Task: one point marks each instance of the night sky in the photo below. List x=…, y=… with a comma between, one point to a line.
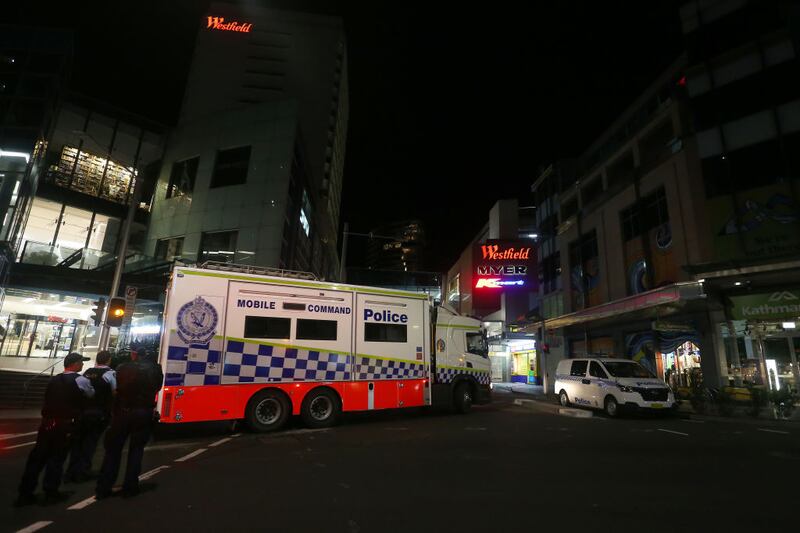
x=451, y=107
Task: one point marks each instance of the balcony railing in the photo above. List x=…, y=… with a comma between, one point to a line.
x=39, y=253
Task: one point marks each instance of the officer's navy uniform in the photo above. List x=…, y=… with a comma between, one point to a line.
x=63, y=402
x=94, y=420
x=138, y=382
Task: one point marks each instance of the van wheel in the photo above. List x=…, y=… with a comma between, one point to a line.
x=563, y=399
x=321, y=408
x=462, y=398
x=611, y=406
x=266, y=411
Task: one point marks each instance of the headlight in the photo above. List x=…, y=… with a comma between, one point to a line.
x=625, y=388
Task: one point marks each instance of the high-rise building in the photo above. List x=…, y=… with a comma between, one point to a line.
x=253, y=171
x=398, y=246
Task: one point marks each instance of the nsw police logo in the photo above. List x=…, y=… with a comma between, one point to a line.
x=197, y=322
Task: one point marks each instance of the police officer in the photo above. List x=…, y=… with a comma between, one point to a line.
x=63, y=401
x=94, y=419
x=138, y=382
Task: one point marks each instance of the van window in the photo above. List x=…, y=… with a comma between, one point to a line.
x=595, y=370
x=266, y=327
x=625, y=369
x=385, y=332
x=316, y=330
x=578, y=368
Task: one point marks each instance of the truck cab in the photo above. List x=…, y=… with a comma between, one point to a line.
x=460, y=364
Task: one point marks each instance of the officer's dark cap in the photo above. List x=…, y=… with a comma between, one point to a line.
x=73, y=358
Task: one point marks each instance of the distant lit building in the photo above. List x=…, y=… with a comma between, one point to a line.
x=398, y=246
x=253, y=171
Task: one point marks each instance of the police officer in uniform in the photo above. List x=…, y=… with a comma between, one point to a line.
x=94, y=419
x=133, y=415
x=63, y=402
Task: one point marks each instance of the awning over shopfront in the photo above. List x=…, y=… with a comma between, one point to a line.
x=668, y=297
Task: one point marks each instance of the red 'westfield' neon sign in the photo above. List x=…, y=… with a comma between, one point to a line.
x=218, y=23
x=494, y=252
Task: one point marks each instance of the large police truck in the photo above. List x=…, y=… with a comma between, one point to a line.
x=261, y=345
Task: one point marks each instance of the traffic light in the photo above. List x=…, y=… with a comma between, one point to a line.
x=116, y=312
x=97, y=311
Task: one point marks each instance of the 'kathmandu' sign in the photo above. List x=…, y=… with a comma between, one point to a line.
x=770, y=306
x=218, y=23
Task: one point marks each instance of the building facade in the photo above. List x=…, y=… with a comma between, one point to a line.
x=673, y=239
x=399, y=246
x=253, y=171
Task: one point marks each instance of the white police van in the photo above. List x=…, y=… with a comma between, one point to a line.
x=611, y=385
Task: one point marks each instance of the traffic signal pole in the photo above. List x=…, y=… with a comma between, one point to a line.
x=123, y=251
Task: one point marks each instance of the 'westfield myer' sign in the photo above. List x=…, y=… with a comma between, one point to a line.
x=218, y=23
x=501, y=266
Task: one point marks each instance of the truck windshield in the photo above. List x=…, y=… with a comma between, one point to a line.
x=623, y=369
x=476, y=344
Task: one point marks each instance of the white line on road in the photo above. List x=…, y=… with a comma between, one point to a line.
x=693, y=421
x=236, y=435
x=774, y=431
x=17, y=435
x=221, y=441
x=187, y=457
x=20, y=445
x=673, y=432
x=36, y=526
x=153, y=472
x=82, y=504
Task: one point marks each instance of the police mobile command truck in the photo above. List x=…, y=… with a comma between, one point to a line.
x=611, y=384
x=241, y=345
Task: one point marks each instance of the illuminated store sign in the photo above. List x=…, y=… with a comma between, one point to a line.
x=502, y=266
x=218, y=23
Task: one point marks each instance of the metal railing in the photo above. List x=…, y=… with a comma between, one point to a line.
x=28, y=382
x=264, y=271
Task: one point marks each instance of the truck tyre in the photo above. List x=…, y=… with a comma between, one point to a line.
x=321, y=408
x=611, y=406
x=462, y=398
x=267, y=411
x=563, y=399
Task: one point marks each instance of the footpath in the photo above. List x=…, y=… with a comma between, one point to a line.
x=536, y=398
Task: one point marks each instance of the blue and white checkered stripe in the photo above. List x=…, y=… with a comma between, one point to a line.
x=195, y=364
x=247, y=362
x=373, y=368
x=447, y=374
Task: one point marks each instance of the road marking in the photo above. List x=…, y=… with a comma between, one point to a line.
x=475, y=429
x=673, y=432
x=236, y=435
x=153, y=472
x=17, y=435
x=82, y=504
x=774, y=431
x=193, y=454
x=303, y=431
x=36, y=526
x=169, y=446
x=693, y=421
x=221, y=441
x=20, y=445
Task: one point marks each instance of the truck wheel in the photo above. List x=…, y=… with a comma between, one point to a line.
x=266, y=411
x=563, y=399
x=611, y=406
x=321, y=408
x=462, y=398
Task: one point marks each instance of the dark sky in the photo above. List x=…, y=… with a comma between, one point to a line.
x=451, y=107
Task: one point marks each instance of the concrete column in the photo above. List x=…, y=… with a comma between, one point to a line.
x=712, y=350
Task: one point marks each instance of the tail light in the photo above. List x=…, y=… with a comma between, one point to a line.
x=167, y=406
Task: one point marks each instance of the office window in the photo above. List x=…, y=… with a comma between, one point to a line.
x=230, y=167
x=385, y=332
x=266, y=327
x=316, y=330
x=305, y=214
x=169, y=249
x=592, y=190
x=217, y=246
x=181, y=179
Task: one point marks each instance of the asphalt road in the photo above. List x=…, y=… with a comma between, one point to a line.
x=500, y=468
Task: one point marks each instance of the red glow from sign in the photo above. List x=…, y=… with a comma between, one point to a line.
x=218, y=23
x=682, y=81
